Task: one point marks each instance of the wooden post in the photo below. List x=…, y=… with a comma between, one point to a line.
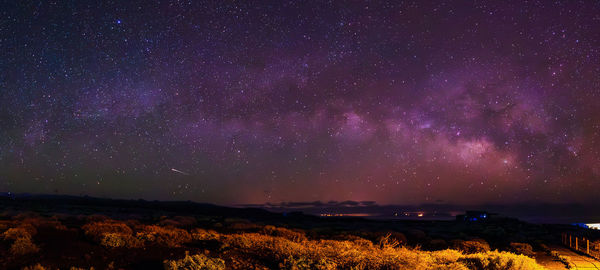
x=588, y=246
x=576, y=243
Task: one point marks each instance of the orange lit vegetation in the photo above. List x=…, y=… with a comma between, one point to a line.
x=363, y=254
x=114, y=234
x=281, y=248
x=21, y=238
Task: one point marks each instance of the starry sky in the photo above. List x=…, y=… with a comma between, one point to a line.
x=230, y=102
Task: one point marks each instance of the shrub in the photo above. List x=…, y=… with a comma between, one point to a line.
x=349, y=255
x=471, y=246
x=392, y=235
x=31, y=223
x=178, y=221
x=97, y=230
x=114, y=240
x=243, y=226
x=199, y=234
x=285, y=233
x=23, y=246
x=499, y=260
x=34, y=267
x=388, y=241
x=96, y=218
x=15, y=233
x=164, y=236
x=522, y=248
x=195, y=262
x=292, y=263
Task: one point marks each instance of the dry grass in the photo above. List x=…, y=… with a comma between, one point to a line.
x=332, y=254
x=282, y=248
x=292, y=235
x=114, y=234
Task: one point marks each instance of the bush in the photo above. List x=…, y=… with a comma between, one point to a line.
x=114, y=240
x=285, y=233
x=471, y=246
x=178, y=221
x=34, y=267
x=391, y=235
x=195, y=262
x=522, y=248
x=31, y=223
x=23, y=246
x=164, y=236
x=388, y=241
x=350, y=255
x=204, y=235
x=499, y=260
x=97, y=230
x=15, y=233
x=306, y=264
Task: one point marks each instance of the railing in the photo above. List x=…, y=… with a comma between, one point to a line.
x=582, y=244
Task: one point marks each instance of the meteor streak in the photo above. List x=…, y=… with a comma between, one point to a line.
x=178, y=171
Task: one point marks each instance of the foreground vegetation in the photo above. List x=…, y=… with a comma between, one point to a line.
x=180, y=244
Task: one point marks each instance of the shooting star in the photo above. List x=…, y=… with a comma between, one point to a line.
x=178, y=171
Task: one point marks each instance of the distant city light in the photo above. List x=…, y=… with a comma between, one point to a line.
x=595, y=226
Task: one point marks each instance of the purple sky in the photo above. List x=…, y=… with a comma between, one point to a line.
x=233, y=102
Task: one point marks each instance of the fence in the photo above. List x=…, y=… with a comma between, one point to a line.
x=582, y=244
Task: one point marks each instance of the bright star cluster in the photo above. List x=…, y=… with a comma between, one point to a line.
x=248, y=102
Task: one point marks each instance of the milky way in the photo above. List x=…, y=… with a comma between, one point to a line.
x=238, y=102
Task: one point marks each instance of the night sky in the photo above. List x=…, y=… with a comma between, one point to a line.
x=237, y=102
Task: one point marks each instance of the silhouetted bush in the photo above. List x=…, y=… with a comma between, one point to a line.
x=471, y=246
x=522, y=248
x=178, y=221
x=295, y=236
